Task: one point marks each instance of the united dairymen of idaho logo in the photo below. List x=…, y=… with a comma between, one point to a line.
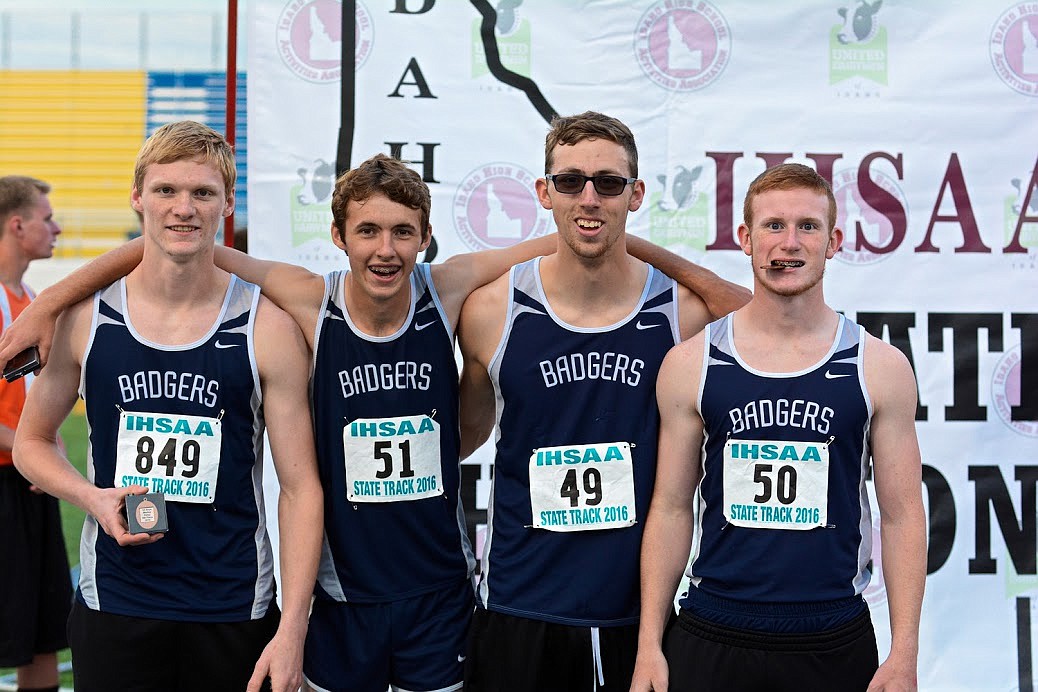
x=1014, y=48
x=858, y=50
x=495, y=206
x=310, y=214
x=309, y=38
x=682, y=45
x=679, y=214
x=1012, y=209
x=1005, y=393
x=857, y=218
x=512, y=34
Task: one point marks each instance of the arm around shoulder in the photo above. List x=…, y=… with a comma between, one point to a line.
x=693, y=313
x=719, y=295
x=294, y=289
x=462, y=274
x=36, y=323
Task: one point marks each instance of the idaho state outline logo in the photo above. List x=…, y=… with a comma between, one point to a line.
x=309, y=38
x=682, y=45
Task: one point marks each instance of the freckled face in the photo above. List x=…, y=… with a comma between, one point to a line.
x=789, y=242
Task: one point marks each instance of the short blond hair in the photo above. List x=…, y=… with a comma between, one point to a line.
x=187, y=140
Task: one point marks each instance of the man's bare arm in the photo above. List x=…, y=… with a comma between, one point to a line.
x=898, y=476
x=667, y=540
x=720, y=296
x=482, y=321
x=462, y=274
x=38, y=452
x=294, y=289
x=35, y=325
x=283, y=362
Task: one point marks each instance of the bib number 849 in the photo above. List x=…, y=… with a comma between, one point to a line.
x=189, y=456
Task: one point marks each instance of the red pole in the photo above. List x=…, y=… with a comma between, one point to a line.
x=232, y=98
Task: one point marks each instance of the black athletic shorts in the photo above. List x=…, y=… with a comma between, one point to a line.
x=704, y=657
x=514, y=654
x=130, y=654
x=35, y=589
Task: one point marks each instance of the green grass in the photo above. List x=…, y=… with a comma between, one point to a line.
x=73, y=431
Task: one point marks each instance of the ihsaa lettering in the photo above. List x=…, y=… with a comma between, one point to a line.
x=388, y=428
x=404, y=374
x=572, y=455
x=153, y=384
x=772, y=452
x=574, y=367
x=163, y=424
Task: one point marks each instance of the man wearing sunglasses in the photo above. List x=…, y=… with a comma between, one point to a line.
x=561, y=355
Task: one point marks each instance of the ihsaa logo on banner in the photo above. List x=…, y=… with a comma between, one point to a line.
x=1006, y=393
x=309, y=37
x=679, y=212
x=495, y=206
x=682, y=45
x=868, y=235
x=512, y=36
x=858, y=50
x=1014, y=48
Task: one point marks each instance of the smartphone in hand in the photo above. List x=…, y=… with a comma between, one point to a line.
x=22, y=364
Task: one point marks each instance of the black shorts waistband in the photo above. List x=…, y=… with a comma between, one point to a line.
x=771, y=641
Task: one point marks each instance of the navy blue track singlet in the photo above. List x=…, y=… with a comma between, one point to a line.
x=393, y=527
x=563, y=386
x=215, y=564
x=824, y=404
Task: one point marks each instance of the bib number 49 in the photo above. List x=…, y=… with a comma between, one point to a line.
x=591, y=484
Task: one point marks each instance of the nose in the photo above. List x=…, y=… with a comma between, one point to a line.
x=791, y=238
x=385, y=248
x=588, y=194
x=183, y=205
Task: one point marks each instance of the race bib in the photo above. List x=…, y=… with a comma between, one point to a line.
x=582, y=487
x=172, y=454
x=392, y=459
x=770, y=484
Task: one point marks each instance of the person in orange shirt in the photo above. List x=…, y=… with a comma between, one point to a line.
x=35, y=588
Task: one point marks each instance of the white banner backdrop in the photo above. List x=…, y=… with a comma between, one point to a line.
x=924, y=115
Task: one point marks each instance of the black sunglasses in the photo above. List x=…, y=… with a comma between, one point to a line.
x=573, y=183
